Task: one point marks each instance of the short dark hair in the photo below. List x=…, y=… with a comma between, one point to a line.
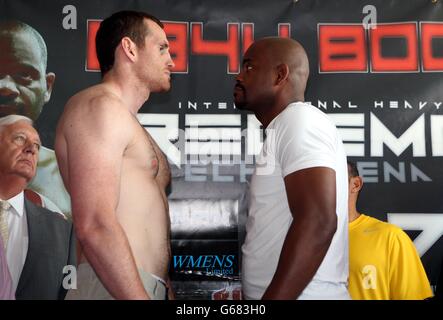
x=353, y=171
x=114, y=28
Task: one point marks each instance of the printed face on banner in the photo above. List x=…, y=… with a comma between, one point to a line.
x=155, y=62
x=20, y=145
x=24, y=86
x=253, y=83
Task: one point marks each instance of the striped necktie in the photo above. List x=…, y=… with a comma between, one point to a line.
x=4, y=232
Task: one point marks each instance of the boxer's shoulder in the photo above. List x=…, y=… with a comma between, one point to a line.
x=96, y=108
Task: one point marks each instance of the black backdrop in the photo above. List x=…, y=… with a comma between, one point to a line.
x=398, y=146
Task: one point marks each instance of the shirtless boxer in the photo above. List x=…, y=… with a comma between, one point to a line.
x=113, y=169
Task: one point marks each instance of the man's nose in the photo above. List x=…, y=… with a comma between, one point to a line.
x=171, y=63
x=239, y=77
x=8, y=88
x=31, y=148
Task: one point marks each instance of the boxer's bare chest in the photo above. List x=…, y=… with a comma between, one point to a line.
x=144, y=152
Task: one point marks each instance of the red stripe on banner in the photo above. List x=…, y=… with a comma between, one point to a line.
x=177, y=33
x=248, y=35
x=229, y=48
x=284, y=30
x=430, y=32
x=407, y=31
x=342, y=48
x=91, y=56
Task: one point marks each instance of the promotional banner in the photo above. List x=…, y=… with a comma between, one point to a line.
x=375, y=69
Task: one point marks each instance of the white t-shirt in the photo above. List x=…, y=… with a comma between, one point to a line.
x=18, y=242
x=300, y=137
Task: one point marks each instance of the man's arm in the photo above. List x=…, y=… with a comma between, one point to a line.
x=96, y=142
x=312, y=201
x=171, y=293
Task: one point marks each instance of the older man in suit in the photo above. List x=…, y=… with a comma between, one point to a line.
x=39, y=243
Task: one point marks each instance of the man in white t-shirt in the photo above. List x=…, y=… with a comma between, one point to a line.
x=296, y=244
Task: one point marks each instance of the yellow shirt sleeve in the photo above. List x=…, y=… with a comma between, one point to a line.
x=408, y=280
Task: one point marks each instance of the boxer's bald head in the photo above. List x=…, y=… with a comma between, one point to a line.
x=275, y=72
x=286, y=51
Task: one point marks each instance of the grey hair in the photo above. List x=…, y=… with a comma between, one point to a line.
x=13, y=118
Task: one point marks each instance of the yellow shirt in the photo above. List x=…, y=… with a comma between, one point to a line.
x=384, y=263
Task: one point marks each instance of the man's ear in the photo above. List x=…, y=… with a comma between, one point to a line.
x=282, y=73
x=129, y=48
x=356, y=184
x=50, y=79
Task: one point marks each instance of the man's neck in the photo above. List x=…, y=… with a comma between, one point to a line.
x=266, y=118
x=353, y=214
x=128, y=90
x=270, y=114
x=9, y=188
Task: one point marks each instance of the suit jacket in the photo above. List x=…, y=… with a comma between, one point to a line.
x=51, y=247
x=439, y=289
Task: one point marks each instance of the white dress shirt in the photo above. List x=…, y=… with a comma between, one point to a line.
x=18, y=240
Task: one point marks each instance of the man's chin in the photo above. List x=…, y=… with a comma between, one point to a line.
x=26, y=172
x=240, y=105
x=165, y=88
